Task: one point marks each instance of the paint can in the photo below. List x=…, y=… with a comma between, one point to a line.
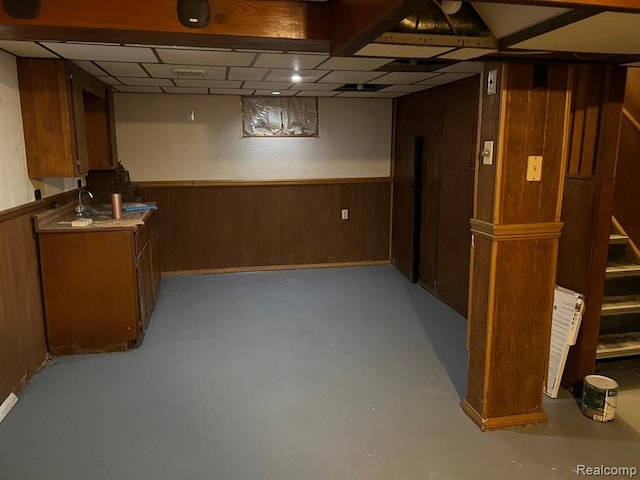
x=599, y=398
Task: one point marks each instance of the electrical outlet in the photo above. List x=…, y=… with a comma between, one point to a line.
x=345, y=214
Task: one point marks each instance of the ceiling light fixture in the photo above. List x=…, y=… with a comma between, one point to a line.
x=194, y=13
x=276, y=92
x=450, y=7
x=22, y=8
x=296, y=78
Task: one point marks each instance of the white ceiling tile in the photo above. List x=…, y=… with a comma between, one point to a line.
x=247, y=73
x=181, y=47
x=316, y=93
x=186, y=90
x=462, y=67
x=123, y=69
x=137, y=89
x=89, y=67
x=362, y=94
x=163, y=70
x=606, y=33
x=188, y=82
x=446, y=78
x=504, y=19
x=267, y=85
x=467, y=53
x=405, y=78
x=392, y=50
x=26, y=49
x=152, y=82
x=318, y=86
x=300, y=62
x=404, y=88
x=354, y=63
x=109, y=80
x=84, y=51
x=284, y=75
x=344, y=76
x=283, y=93
x=230, y=91
x=200, y=57
x=257, y=51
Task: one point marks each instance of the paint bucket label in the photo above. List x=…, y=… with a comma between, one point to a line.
x=599, y=398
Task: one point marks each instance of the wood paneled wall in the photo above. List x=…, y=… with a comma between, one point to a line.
x=627, y=197
x=22, y=328
x=262, y=224
x=596, y=108
x=447, y=119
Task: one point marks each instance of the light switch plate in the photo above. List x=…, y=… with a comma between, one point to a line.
x=345, y=214
x=492, y=82
x=487, y=153
x=534, y=169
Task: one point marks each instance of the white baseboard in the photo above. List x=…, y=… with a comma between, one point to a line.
x=7, y=405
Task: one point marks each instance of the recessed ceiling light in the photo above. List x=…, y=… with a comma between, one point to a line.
x=275, y=92
x=295, y=78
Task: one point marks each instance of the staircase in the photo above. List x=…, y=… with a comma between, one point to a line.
x=620, y=317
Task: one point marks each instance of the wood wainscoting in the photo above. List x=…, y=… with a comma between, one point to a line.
x=212, y=226
x=23, y=347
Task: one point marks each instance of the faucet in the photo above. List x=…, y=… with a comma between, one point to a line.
x=80, y=208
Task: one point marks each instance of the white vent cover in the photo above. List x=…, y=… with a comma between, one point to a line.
x=188, y=73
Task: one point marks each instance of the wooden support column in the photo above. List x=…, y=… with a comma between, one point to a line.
x=515, y=233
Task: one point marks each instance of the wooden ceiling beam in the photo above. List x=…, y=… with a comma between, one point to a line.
x=272, y=25
x=616, y=5
x=355, y=23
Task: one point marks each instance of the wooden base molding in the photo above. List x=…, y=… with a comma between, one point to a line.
x=525, y=231
x=497, y=423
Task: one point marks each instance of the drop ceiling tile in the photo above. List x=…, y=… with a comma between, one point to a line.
x=392, y=50
x=89, y=67
x=300, y=62
x=316, y=93
x=186, y=90
x=250, y=50
x=354, y=63
x=267, y=85
x=446, y=78
x=122, y=69
x=109, y=80
x=230, y=91
x=200, y=57
x=163, y=70
x=247, y=73
x=189, y=82
x=361, y=94
x=467, y=53
x=284, y=75
x=26, y=49
x=344, y=76
x=318, y=86
x=137, y=89
x=405, y=78
x=606, y=33
x=181, y=47
x=283, y=93
x=504, y=20
x=462, y=67
x=404, y=88
x=151, y=82
x=85, y=51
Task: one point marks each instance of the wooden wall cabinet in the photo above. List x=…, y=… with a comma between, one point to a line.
x=99, y=286
x=68, y=119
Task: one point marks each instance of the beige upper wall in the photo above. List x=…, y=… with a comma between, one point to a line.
x=15, y=187
x=157, y=142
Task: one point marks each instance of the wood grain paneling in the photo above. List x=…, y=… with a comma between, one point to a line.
x=236, y=226
x=446, y=117
x=22, y=330
x=98, y=132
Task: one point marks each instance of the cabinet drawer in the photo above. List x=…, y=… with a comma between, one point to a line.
x=143, y=234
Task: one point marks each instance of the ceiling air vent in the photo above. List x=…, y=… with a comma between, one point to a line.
x=188, y=73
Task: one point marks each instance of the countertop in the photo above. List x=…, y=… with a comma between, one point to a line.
x=59, y=219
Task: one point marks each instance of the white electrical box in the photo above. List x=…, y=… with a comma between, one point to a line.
x=534, y=169
x=492, y=82
x=487, y=153
x=345, y=214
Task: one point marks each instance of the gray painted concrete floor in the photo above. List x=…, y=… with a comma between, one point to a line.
x=309, y=374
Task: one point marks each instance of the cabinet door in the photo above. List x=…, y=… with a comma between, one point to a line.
x=144, y=265
x=79, y=125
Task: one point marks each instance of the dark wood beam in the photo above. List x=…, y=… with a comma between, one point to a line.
x=279, y=25
x=356, y=23
x=620, y=5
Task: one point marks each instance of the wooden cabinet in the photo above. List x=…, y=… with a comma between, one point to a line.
x=68, y=119
x=99, y=285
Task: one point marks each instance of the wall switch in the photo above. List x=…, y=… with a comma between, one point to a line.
x=492, y=82
x=345, y=214
x=534, y=169
x=191, y=115
x=487, y=153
